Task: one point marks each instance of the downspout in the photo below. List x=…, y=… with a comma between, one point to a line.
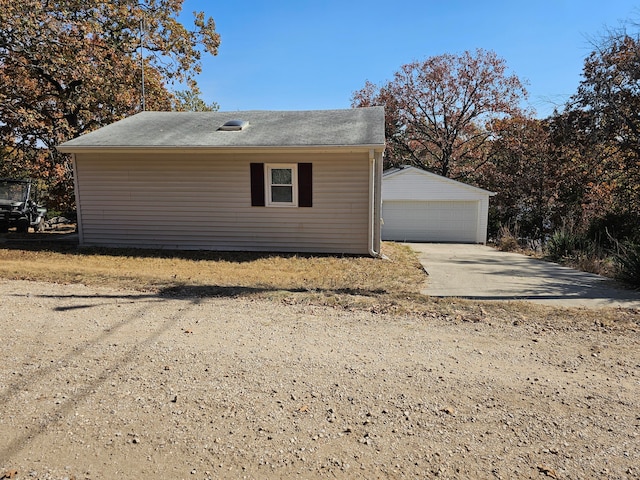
x=74, y=164
x=374, y=208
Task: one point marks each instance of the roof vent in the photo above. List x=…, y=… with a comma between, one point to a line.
x=233, y=125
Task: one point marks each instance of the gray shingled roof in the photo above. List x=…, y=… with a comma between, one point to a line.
x=352, y=127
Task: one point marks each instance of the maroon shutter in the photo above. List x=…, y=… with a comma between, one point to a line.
x=257, y=185
x=305, y=185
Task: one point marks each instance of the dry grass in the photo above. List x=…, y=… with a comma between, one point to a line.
x=507, y=240
x=347, y=282
x=157, y=270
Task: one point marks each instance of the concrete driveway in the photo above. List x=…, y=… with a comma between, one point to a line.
x=484, y=273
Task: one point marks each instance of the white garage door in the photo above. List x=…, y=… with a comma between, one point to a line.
x=431, y=221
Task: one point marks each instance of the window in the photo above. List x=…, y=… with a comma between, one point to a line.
x=281, y=185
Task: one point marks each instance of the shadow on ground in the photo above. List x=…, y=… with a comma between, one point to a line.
x=479, y=272
x=67, y=243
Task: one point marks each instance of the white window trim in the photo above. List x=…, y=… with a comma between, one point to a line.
x=294, y=180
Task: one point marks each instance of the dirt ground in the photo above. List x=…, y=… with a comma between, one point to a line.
x=104, y=384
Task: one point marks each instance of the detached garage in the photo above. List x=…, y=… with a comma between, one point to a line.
x=419, y=206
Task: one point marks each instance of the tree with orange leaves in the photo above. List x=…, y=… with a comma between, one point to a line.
x=603, y=118
x=440, y=112
x=70, y=66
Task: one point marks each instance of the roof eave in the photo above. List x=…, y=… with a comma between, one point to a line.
x=218, y=149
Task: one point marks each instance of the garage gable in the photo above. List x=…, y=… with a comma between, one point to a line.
x=410, y=183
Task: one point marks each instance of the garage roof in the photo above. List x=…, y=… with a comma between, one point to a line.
x=330, y=128
x=392, y=172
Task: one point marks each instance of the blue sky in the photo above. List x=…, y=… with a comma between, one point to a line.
x=304, y=55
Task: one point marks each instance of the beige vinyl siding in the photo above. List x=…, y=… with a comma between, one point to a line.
x=189, y=200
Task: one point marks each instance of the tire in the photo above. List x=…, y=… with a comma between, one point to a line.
x=22, y=225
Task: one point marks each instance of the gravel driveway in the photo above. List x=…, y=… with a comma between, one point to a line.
x=97, y=383
x=484, y=273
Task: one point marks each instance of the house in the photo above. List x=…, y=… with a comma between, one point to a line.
x=420, y=206
x=281, y=181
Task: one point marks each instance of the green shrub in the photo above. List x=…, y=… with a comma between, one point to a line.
x=627, y=260
x=565, y=244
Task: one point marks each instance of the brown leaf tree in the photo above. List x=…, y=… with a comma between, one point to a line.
x=440, y=112
x=532, y=177
x=602, y=121
x=70, y=66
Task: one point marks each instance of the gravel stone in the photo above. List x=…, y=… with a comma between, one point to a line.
x=97, y=383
